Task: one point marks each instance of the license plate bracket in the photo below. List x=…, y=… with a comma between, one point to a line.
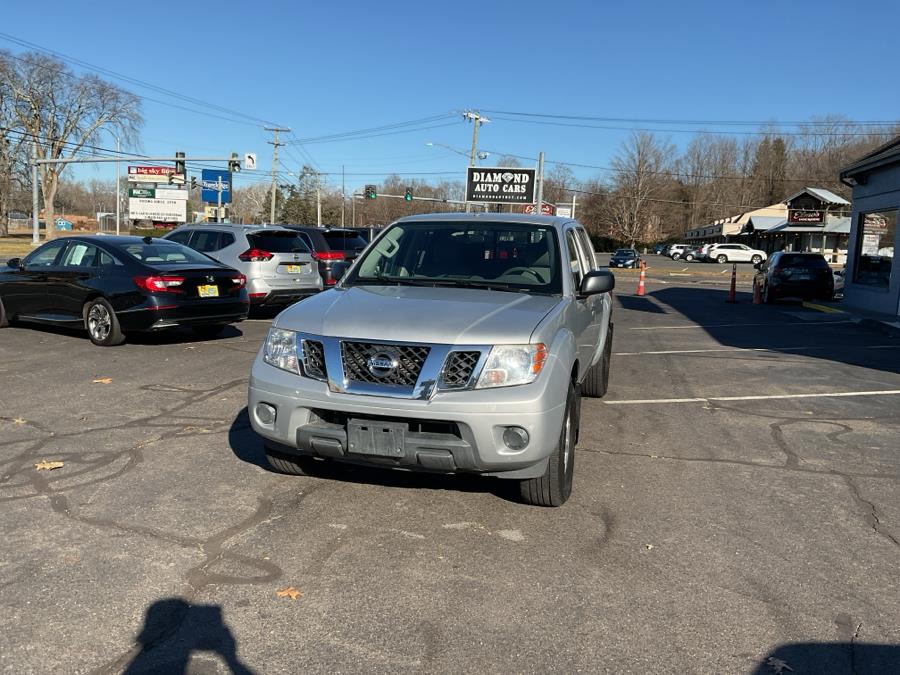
x=208, y=291
x=294, y=269
x=381, y=439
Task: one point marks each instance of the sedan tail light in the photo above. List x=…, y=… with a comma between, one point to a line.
x=328, y=255
x=159, y=284
x=240, y=280
x=255, y=255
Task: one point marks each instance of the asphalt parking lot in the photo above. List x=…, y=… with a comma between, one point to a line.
x=735, y=508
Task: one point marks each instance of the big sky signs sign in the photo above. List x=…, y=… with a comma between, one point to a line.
x=499, y=185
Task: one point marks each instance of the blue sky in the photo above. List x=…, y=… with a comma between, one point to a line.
x=329, y=67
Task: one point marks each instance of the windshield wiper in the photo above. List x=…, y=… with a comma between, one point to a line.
x=384, y=279
x=487, y=285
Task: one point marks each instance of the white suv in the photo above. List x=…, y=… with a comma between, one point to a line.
x=676, y=251
x=726, y=253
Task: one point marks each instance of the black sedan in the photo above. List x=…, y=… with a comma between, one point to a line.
x=625, y=257
x=795, y=275
x=115, y=285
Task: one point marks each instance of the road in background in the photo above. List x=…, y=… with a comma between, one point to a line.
x=734, y=501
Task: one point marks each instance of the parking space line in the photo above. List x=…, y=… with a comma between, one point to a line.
x=822, y=308
x=825, y=322
x=771, y=397
x=725, y=349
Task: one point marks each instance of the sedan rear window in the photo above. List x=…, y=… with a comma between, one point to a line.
x=808, y=261
x=277, y=242
x=165, y=253
x=344, y=241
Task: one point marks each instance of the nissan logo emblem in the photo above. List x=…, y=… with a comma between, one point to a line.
x=381, y=364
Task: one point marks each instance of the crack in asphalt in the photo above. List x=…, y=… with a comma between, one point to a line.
x=197, y=578
x=870, y=511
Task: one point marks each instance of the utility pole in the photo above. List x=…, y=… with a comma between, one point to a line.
x=343, y=195
x=318, y=200
x=274, y=143
x=35, y=233
x=574, y=195
x=477, y=120
x=540, y=185
x=219, y=199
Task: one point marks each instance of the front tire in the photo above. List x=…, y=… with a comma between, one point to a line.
x=768, y=297
x=596, y=380
x=689, y=257
x=4, y=320
x=756, y=259
x=294, y=465
x=721, y=259
x=555, y=486
x=101, y=323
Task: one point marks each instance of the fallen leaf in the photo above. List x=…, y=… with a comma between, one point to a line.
x=649, y=547
x=777, y=665
x=102, y=380
x=289, y=592
x=19, y=420
x=44, y=465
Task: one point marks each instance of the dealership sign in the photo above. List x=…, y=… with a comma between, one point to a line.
x=546, y=209
x=150, y=174
x=159, y=210
x=211, y=181
x=806, y=217
x=499, y=185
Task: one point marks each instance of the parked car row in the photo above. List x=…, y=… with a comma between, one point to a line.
x=205, y=276
x=718, y=253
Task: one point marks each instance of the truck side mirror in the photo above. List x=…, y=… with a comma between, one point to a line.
x=597, y=281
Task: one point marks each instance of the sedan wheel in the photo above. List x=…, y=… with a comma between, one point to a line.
x=102, y=324
x=756, y=259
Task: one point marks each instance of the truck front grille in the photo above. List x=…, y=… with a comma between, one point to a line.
x=314, y=359
x=458, y=369
x=409, y=360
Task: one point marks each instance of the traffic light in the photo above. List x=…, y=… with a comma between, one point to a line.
x=234, y=164
x=408, y=195
x=179, y=163
x=194, y=183
x=370, y=192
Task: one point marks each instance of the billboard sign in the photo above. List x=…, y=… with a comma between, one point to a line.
x=150, y=174
x=499, y=185
x=159, y=210
x=144, y=193
x=546, y=209
x=209, y=181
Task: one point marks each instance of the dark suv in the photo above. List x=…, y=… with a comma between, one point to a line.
x=330, y=245
x=796, y=275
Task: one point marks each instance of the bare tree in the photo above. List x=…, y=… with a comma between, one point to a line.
x=62, y=112
x=640, y=177
x=249, y=203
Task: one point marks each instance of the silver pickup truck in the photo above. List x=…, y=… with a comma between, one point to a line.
x=455, y=343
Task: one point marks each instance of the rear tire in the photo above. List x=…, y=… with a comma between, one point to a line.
x=555, y=486
x=299, y=465
x=722, y=259
x=4, y=320
x=101, y=323
x=756, y=259
x=208, y=332
x=689, y=257
x=596, y=381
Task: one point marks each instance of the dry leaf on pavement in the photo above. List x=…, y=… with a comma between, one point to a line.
x=44, y=465
x=19, y=420
x=289, y=592
x=102, y=380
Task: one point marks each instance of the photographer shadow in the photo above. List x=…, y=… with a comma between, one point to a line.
x=174, y=630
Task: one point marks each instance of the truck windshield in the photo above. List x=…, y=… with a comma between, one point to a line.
x=498, y=256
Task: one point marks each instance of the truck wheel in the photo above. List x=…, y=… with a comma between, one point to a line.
x=4, y=320
x=596, y=381
x=295, y=465
x=555, y=486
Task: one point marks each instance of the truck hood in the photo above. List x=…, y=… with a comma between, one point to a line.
x=418, y=314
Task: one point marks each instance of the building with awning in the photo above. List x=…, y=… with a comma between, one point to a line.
x=872, y=279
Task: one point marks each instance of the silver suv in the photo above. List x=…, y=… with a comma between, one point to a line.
x=279, y=267
x=454, y=343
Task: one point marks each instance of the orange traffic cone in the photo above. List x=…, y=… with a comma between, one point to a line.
x=640, y=288
x=757, y=293
x=732, y=292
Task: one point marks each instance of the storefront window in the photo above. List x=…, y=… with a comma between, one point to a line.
x=875, y=248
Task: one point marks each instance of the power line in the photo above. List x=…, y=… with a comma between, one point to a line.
x=385, y=133
x=638, y=120
x=131, y=80
x=369, y=130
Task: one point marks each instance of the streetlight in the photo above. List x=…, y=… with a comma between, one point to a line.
x=118, y=177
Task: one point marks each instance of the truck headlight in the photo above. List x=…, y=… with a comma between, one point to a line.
x=281, y=350
x=508, y=365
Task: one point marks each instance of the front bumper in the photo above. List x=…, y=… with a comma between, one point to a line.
x=453, y=431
